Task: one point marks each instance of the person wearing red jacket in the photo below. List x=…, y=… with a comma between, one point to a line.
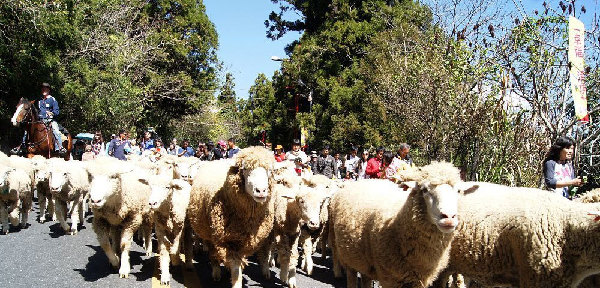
x=374, y=167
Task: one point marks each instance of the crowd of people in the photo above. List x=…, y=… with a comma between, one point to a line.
x=121, y=145
x=352, y=166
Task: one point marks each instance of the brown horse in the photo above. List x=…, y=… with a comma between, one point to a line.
x=40, y=139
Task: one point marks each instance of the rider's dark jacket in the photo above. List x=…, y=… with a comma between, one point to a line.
x=48, y=104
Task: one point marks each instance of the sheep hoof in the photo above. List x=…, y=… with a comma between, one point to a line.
x=309, y=270
x=123, y=276
x=149, y=253
x=292, y=283
x=73, y=232
x=165, y=283
x=42, y=219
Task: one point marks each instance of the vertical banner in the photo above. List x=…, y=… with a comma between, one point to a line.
x=303, y=136
x=577, y=69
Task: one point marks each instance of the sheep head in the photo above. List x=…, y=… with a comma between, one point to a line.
x=4, y=176
x=438, y=185
x=255, y=165
x=41, y=174
x=309, y=201
x=58, y=180
x=102, y=187
x=164, y=188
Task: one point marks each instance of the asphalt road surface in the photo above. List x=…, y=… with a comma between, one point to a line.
x=43, y=256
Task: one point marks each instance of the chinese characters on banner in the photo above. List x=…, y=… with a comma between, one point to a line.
x=577, y=70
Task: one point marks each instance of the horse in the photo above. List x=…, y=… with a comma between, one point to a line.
x=40, y=139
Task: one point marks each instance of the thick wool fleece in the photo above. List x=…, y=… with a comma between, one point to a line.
x=221, y=212
x=384, y=233
x=524, y=238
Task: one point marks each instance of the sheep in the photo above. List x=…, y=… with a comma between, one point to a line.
x=231, y=209
x=527, y=238
x=400, y=238
x=42, y=187
x=69, y=185
x=186, y=168
x=15, y=197
x=309, y=238
x=119, y=202
x=169, y=200
x=291, y=212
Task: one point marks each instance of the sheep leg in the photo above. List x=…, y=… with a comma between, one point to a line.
x=126, y=239
x=174, y=249
x=4, y=217
x=264, y=256
x=188, y=246
x=164, y=257
x=284, y=262
x=25, y=208
x=365, y=282
x=307, y=262
x=13, y=213
x=75, y=209
x=146, y=231
x=236, y=273
x=51, y=206
x=103, y=233
x=351, y=278
x=42, y=203
x=81, y=213
x=61, y=210
x=293, y=262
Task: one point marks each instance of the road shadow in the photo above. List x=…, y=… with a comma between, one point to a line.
x=98, y=266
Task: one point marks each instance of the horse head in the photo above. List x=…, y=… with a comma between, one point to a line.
x=23, y=110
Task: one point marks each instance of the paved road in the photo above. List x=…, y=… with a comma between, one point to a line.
x=42, y=256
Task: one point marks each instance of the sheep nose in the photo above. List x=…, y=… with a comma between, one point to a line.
x=447, y=216
x=152, y=204
x=260, y=191
x=95, y=201
x=313, y=224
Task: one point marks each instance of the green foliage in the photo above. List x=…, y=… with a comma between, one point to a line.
x=112, y=64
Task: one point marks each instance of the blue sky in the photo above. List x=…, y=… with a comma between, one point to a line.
x=246, y=51
x=243, y=46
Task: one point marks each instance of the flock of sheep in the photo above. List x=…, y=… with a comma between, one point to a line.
x=430, y=230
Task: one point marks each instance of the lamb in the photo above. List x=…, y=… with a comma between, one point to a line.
x=42, y=186
x=169, y=200
x=69, y=185
x=527, y=238
x=291, y=212
x=231, y=209
x=400, y=238
x=15, y=197
x=119, y=202
x=309, y=238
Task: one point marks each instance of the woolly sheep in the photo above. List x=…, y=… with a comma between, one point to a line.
x=400, y=238
x=42, y=186
x=292, y=210
x=526, y=238
x=310, y=238
x=69, y=185
x=15, y=197
x=231, y=208
x=169, y=200
x=119, y=202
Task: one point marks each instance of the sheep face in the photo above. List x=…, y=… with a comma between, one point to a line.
x=442, y=206
x=4, y=177
x=102, y=187
x=186, y=170
x=58, y=180
x=41, y=175
x=162, y=190
x=310, y=200
x=256, y=183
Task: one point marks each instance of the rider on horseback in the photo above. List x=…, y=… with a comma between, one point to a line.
x=48, y=109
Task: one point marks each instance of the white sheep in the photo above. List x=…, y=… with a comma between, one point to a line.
x=15, y=197
x=231, y=209
x=69, y=185
x=524, y=237
x=169, y=200
x=42, y=186
x=119, y=202
x=400, y=238
x=291, y=213
x=310, y=238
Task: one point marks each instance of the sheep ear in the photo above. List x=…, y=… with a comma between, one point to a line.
x=425, y=186
x=469, y=190
x=177, y=184
x=409, y=185
x=144, y=180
